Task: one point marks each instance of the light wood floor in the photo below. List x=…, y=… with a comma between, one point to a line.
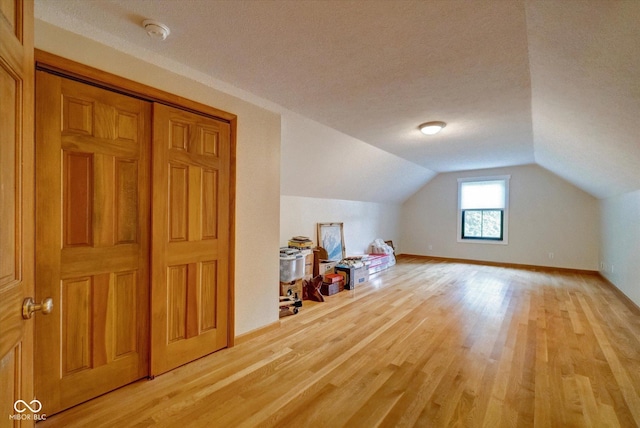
x=425, y=343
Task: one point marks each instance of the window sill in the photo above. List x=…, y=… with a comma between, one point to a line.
x=482, y=241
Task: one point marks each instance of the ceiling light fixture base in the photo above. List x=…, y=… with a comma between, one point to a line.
x=431, y=128
x=156, y=30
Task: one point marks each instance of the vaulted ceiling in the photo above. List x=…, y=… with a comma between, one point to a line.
x=553, y=82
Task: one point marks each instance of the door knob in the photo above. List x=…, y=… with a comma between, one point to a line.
x=29, y=307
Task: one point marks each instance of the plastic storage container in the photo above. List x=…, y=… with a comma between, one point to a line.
x=291, y=265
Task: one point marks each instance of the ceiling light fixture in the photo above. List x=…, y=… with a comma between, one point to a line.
x=156, y=30
x=431, y=128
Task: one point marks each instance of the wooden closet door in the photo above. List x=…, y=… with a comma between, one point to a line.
x=16, y=211
x=190, y=243
x=92, y=235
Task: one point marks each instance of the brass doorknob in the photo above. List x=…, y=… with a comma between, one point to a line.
x=29, y=307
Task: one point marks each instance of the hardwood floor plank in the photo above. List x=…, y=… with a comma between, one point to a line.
x=620, y=373
x=424, y=344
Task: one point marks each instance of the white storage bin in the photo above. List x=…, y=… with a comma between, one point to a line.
x=291, y=267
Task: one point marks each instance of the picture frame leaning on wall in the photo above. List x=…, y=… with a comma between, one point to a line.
x=331, y=238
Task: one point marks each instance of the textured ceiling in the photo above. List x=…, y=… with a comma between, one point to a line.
x=552, y=82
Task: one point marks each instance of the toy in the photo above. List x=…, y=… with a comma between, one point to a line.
x=290, y=302
x=311, y=289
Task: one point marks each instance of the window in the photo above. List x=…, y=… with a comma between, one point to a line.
x=482, y=209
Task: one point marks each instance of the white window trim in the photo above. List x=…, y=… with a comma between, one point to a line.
x=505, y=224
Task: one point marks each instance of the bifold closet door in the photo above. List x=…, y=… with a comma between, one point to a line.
x=190, y=237
x=92, y=240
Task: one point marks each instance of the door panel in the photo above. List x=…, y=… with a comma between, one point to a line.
x=16, y=209
x=190, y=251
x=92, y=215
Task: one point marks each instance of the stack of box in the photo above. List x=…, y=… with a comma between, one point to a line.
x=326, y=266
x=353, y=275
x=332, y=283
x=305, y=245
x=354, y=271
x=292, y=270
x=296, y=265
x=301, y=243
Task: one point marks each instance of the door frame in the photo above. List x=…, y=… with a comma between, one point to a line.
x=51, y=63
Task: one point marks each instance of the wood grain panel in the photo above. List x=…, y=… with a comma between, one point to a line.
x=125, y=308
x=99, y=338
x=195, y=204
x=205, y=207
x=176, y=302
x=198, y=251
x=178, y=203
x=178, y=135
x=9, y=11
x=127, y=126
x=8, y=195
x=104, y=121
x=186, y=158
x=209, y=295
x=78, y=199
x=77, y=260
x=10, y=372
x=100, y=332
x=209, y=141
x=126, y=177
x=104, y=200
x=16, y=206
x=119, y=149
x=77, y=116
x=210, y=203
x=11, y=320
x=193, y=285
x=76, y=327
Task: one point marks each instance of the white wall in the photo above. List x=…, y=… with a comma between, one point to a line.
x=546, y=214
x=620, y=242
x=258, y=166
x=320, y=162
x=363, y=221
x=326, y=176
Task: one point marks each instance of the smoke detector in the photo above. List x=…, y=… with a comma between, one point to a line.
x=156, y=30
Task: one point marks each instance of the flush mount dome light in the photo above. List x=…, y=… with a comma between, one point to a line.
x=431, y=128
x=156, y=30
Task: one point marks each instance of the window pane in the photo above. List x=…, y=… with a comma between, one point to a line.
x=482, y=194
x=491, y=224
x=472, y=224
x=482, y=224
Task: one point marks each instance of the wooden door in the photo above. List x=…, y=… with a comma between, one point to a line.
x=92, y=235
x=190, y=243
x=16, y=211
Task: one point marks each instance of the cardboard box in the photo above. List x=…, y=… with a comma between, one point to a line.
x=353, y=276
x=326, y=266
x=332, y=277
x=308, y=265
x=328, y=289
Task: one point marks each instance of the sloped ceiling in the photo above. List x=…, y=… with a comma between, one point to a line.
x=585, y=71
x=552, y=82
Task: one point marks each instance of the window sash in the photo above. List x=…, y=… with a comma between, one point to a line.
x=484, y=234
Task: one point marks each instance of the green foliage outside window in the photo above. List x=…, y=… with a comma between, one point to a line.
x=482, y=224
